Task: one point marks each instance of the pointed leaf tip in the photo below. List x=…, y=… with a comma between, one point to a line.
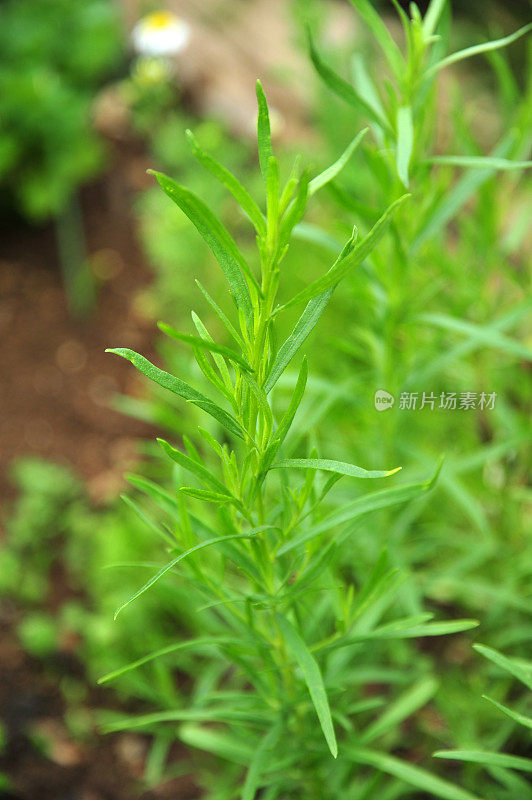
x=393, y=471
x=299, y=651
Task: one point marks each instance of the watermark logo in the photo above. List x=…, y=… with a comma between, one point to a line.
x=446, y=401
x=383, y=400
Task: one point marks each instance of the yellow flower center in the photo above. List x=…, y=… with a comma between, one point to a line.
x=160, y=19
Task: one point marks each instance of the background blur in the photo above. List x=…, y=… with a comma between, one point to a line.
x=91, y=255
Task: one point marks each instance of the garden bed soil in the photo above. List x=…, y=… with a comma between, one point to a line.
x=57, y=382
x=55, y=393
x=43, y=760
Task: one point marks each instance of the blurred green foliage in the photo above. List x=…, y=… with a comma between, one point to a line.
x=99, y=552
x=54, y=54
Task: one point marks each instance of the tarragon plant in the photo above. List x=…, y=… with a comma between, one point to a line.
x=445, y=304
x=510, y=771
x=401, y=110
x=282, y=641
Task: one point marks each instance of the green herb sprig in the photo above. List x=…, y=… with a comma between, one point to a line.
x=276, y=619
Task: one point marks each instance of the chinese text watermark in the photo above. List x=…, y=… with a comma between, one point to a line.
x=445, y=401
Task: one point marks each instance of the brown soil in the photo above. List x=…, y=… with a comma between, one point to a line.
x=42, y=758
x=56, y=380
x=55, y=389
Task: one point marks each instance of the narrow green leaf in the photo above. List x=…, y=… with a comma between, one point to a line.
x=340, y=467
x=449, y=205
x=379, y=30
x=331, y=172
x=295, y=400
x=380, y=580
x=517, y=785
x=488, y=759
x=260, y=395
x=415, y=627
x=210, y=373
x=161, y=497
x=304, y=326
x=218, y=359
x=432, y=17
x=132, y=564
x=477, y=50
x=264, y=137
x=307, y=232
x=259, y=762
x=194, y=467
x=221, y=316
x=365, y=86
x=402, y=708
x=203, y=714
x=239, y=192
x=220, y=744
x=147, y=520
x=180, y=388
x=359, y=507
x=439, y=628
x=499, y=325
x=190, y=644
x=485, y=334
x=204, y=344
x=479, y=162
x=191, y=449
x=286, y=420
x=231, y=551
x=290, y=187
x=405, y=21
x=410, y=774
x=521, y=719
x=211, y=441
x=344, y=89
x=354, y=257
x=311, y=672
x=316, y=569
x=208, y=496
x=176, y=561
x=519, y=671
x=296, y=209
x=216, y=237
x=272, y=192
x=405, y=142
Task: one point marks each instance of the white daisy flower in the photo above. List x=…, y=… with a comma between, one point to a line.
x=160, y=34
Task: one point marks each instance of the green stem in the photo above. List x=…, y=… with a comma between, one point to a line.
x=77, y=277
